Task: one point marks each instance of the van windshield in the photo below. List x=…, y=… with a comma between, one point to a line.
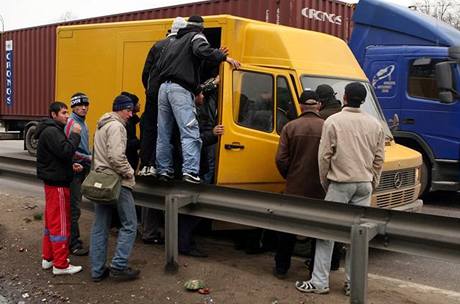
x=370, y=106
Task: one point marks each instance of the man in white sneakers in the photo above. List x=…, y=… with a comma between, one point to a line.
x=56, y=168
x=350, y=158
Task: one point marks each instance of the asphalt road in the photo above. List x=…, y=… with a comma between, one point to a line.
x=383, y=264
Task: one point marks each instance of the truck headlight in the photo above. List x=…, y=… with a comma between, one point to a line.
x=417, y=175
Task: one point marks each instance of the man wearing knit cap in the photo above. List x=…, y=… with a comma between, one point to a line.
x=79, y=103
x=151, y=82
x=180, y=78
x=297, y=162
x=109, y=157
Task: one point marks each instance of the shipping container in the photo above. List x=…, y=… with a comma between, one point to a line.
x=28, y=55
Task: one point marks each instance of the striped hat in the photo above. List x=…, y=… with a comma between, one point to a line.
x=79, y=99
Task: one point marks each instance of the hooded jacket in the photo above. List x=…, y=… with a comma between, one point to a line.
x=83, y=154
x=55, y=152
x=181, y=59
x=110, y=146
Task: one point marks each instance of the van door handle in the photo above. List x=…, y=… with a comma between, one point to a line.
x=234, y=146
x=408, y=121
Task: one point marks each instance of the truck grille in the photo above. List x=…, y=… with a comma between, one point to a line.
x=391, y=180
x=395, y=199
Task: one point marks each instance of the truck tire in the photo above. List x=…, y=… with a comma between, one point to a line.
x=30, y=140
x=424, y=179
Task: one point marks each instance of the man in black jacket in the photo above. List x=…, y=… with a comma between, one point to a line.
x=180, y=78
x=151, y=82
x=55, y=167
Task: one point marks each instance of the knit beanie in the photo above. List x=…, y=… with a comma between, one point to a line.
x=79, y=99
x=133, y=97
x=177, y=24
x=122, y=102
x=195, y=20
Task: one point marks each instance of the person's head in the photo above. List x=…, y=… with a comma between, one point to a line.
x=309, y=101
x=195, y=21
x=355, y=94
x=177, y=24
x=79, y=103
x=325, y=93
x=58, y=111
x=135, y=99
x=123, y=106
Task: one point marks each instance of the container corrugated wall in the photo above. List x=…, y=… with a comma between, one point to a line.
x=35, y=48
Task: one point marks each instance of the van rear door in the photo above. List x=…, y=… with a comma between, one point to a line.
x=255, y=104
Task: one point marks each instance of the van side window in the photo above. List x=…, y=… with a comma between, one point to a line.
x=422, y=79
x=253, y=104
x=285, y=108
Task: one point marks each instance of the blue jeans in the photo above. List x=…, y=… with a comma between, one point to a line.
x=175, y=102
x=100, y=233
x=348, y=193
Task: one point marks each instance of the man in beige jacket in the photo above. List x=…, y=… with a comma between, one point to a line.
x=351, y=155
x=109, y=156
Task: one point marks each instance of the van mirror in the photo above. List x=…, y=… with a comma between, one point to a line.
x=444, y=82
x=454, y=52
x=394, y=122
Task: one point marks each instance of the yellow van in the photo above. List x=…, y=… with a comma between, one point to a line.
x=255, y=102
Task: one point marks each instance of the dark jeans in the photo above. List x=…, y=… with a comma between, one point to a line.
x=149, y=131
x=187, y=225
x=75, y=201
x=152, y=220
x=286, y=243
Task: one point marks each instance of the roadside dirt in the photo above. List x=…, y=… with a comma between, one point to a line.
x=232, y=276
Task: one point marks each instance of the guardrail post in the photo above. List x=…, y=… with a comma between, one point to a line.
x=361, y=234
x=172, y=204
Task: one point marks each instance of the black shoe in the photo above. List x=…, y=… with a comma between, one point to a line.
x=79, y=251
x=165, y=176
x=154, y=241
x=126, y=274
x=195, y=252
x=279, y=274
x=191, y=178
x=104, y=275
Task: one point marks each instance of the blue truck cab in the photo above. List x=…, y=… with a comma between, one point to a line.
x=412, y=59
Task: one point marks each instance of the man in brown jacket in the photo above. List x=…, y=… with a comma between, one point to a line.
x=297, y=162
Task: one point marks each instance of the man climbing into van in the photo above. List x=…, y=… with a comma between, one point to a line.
x=180, y=78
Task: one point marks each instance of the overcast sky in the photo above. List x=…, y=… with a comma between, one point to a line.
x=26, y=13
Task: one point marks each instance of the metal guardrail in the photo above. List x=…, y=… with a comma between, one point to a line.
x=362, y=227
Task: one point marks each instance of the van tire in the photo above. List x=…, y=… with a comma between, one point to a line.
x=30, y=141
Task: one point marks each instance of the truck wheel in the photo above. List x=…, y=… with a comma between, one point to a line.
x=31, y=141
x=424, y=179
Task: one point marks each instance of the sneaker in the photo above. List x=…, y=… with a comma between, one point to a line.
x=194, y=252
x=150, y=171
x=126, y=274
x=104, y=275
x=46, y=264
x=308, y=287
x=71, y=269
x=347, y=288
x=143, y=171
x=79, y=251
x=280, y=275
x=165, y=176
x=191, y=178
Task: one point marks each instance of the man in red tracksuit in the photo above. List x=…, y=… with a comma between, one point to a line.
x=55, y=167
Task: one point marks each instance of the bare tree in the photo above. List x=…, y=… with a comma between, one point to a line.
x=444, y=10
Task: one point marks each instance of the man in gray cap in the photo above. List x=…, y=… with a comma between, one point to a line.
x=297, y=162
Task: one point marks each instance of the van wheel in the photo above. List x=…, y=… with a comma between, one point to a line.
x=424, y=179
x=31, y=141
